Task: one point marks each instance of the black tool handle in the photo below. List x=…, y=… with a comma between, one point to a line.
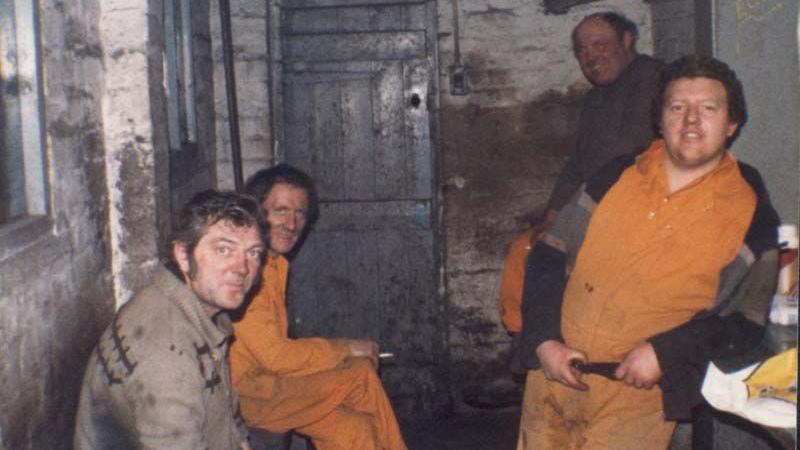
x=605, y=369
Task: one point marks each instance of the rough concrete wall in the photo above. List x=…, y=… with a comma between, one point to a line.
x=134, y=133
x=250, y=39
x=760, y=41
x=56, y=294
x=502, y=148
x=110, y=200
x=674, y=30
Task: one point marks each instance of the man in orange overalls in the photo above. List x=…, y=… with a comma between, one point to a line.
x=327, y=389
x=641, y=269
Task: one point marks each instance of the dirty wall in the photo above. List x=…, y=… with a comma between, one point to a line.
x=502, y=147
x=56, y=284
x=108, y=196
x=251, y=56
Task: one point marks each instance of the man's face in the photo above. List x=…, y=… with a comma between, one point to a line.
x=599, y=51
x=695, y=123
x=223, y=265
x=286, y=207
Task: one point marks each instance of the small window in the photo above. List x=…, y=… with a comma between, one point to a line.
x=179, y=74
x=22, y=175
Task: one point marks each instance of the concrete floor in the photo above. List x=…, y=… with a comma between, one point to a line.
x=497, y=430
x=478, y=430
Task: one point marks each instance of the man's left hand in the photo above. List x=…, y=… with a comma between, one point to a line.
x=640, y=367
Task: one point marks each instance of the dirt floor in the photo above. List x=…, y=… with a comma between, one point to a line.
x=480, y=430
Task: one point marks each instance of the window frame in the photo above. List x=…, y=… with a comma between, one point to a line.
x=179, y=83
x=22, y=68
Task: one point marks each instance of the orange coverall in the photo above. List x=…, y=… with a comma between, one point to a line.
x=310, y=385
x=650, y=260
x=509, y=302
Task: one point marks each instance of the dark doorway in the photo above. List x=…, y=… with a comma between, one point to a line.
x=357, y=83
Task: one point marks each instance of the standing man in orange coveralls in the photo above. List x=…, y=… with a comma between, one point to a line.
x=645, y=269
x=327, y=389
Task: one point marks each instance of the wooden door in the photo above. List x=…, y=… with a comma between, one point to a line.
x=356, y=86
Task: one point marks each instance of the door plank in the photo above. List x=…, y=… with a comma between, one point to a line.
x=327, y=165
x=418, y=139
x=357, y=143
x=355, y=46
x=389, y=127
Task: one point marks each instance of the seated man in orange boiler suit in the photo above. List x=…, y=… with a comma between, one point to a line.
x=327, y=389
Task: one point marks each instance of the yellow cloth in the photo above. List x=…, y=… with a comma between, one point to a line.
x=308, y=385
x=650, y=260
x=775, y=377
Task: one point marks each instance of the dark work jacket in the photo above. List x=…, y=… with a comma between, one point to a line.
x=615, y=120
x=733, y=326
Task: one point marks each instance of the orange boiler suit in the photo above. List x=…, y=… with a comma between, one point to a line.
x=309, y=385
x=509, y=302
x=650, y=260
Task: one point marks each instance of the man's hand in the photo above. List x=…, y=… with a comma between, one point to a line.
x=555, y=358
x=640, y=367
x=364, y=348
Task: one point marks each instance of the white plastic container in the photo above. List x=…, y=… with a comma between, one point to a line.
x=787, y=277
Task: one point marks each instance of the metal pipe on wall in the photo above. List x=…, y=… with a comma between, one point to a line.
x=456, y=35
x=230, y=90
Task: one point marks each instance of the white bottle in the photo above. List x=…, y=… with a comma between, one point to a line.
x=787, y=277
x=784, y=304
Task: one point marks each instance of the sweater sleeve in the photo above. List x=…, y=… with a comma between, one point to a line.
x=572, y=175
x=546, y=273
x=542, y=297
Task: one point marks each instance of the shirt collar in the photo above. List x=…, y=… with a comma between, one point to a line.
x=215, y=332
x=650, y=165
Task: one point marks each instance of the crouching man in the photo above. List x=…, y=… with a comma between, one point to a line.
x=159, y=377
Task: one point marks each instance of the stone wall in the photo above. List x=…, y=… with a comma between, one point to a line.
x=134, y=138
x=110, y=197
x=57, y=292
x=502, y=147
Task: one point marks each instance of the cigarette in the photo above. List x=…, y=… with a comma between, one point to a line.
x=385, y=355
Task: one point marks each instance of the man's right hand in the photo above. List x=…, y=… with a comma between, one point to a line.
x=364, y=348
x=556, y=359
